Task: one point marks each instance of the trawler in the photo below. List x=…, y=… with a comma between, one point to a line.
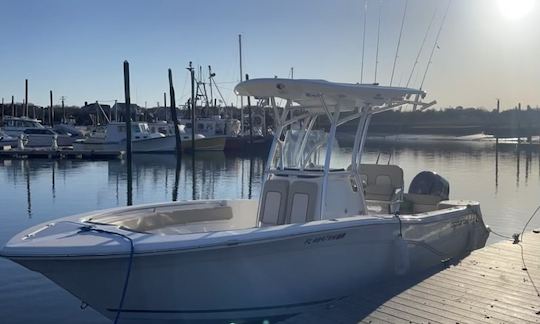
x=322, y=228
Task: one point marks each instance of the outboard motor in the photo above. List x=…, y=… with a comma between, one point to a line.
x=430, y=183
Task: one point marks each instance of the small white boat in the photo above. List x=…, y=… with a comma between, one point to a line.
x=7, y=141
x=202, y=142
x=113, y=138
x=324, y=226
x=34, y=132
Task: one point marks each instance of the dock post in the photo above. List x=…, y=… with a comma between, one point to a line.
x=173, y=115
x=193, y=105
x=250, y=117
x=2, y=109
x=519, y=124
x=165, y=106
x=128, y=133
x=51, y=111
x=25, y=108
x=12, y=106
x=63, y=111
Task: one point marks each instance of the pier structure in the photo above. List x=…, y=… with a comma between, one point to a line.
x=497, y=284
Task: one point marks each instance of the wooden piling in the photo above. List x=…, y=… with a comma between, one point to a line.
x=519, y=124
x=25, y=111
x=250, y=117
x=12, y=106
x=128, y=134
x=2, y=109
x=51, y=110
x=173, y=114
x=193, y=106
x=165, y=105
x=64, y=111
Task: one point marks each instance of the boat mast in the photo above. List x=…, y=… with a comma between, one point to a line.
x=241, y=79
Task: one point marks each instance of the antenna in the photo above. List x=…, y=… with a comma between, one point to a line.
x=363, y=42
x=435, y=44
x=399, y=40
x=378, y=38
x=421, y=47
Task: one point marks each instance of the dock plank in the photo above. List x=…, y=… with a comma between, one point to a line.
x=488, y=286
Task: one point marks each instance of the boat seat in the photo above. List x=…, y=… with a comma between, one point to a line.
x=381, y=181
x=301, y=202
x=274, y=202
x=422, y=203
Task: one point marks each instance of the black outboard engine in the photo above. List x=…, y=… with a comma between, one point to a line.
x=430, y=183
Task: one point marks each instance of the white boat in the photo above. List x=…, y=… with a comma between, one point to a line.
x=112, y=137
x=7, y=141
x=202, y=142
x=324, y=226
x=35, y=133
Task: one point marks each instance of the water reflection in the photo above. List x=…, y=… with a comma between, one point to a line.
x=480, y=171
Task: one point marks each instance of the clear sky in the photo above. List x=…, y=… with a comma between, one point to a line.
x=487, y=50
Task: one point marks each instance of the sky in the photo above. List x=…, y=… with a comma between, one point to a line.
x=77, y=48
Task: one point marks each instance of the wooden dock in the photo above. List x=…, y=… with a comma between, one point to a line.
x=491, y=285
x=46, y=153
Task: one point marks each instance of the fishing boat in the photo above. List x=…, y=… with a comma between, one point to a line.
x=202, y=142
x=323, y=227
x=34, y=132
x=112, y=137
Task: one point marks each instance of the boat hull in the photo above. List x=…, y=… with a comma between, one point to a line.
x=264, y=278
x=206, y=144
x=165, y=144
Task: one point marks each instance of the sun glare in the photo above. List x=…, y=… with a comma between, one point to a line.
x=515, y=9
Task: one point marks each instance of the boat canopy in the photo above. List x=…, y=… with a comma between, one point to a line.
x=306, y=164
x=314, y=94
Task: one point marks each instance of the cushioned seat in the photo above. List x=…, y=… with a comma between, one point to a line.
x=301, y=204
x=274, y=202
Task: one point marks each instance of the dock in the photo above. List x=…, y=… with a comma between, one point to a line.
x=47, y=153
x=497, y=284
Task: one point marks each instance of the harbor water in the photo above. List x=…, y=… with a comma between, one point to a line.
x=505, y=180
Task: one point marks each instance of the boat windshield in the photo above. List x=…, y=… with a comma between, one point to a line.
x=303, y=149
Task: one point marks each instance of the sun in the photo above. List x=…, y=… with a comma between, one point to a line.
x=515, y=9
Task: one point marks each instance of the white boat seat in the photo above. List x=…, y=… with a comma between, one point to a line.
x=301, y=202
x=423, y=203
x=381, y=180
x=274, y=202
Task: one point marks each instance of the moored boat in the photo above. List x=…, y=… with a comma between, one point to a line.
x=323, y=226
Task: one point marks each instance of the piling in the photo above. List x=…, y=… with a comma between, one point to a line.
x=519, y=124
x=250, y=117
x=25, y=111
x=51, y=110
x=173, y=115
x=128, y=134
x=2, y=109
x=165, y=105
x=193, y=105
x=12, y=106
x=63, y=111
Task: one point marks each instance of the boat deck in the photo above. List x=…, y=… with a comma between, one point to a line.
x=491, y=285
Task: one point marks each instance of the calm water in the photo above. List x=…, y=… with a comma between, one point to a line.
x=506, y=183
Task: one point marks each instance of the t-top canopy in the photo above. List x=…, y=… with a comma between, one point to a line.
x=313, y=93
